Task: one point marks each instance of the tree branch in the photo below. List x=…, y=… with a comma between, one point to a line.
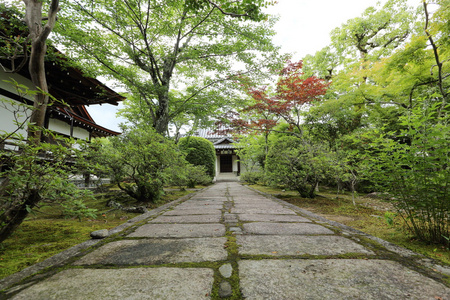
x=436, y=57
x=233, y=15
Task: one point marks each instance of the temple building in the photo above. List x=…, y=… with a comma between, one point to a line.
x=72, y=90
x=228, y=166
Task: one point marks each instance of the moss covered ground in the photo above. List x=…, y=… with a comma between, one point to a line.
x=47, y=232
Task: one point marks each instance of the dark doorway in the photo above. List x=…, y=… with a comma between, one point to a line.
x=226, y=163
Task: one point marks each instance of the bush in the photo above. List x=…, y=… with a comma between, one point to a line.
x=36, y=175
x=189, y=176
x=417, y=173
x=298, y=164
x=252, y=177
x=199, y=152
x=140, y=161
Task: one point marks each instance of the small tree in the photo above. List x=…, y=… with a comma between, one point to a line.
x=199, y=152
x=188, y=176
x=417, y=173
x=298, y=164
x=140, y=162
x=38, y=174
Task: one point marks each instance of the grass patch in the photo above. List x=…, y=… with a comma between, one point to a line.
x=46, y=232
x=368, y=216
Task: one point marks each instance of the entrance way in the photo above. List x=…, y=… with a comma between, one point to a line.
x=226, y=163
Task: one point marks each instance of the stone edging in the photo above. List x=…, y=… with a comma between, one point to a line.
x=418, y=258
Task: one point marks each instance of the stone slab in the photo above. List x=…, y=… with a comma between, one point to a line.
x=257, y=210
x=179, y=230
x=184, y=212
x=267, y=206
x=135, y=283
x=157, y=251
x=253, y=201
x=187, y=219
x=271, y=218
x=210, y=197
x=335, y=279
x=200, y=206
x=284, y=228
x=298, y=245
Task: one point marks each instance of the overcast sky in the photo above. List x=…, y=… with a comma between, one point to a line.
x=303, y=28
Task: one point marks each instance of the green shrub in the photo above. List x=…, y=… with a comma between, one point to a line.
x=417, y=173
x=252, y=177
x=189, y=176
x=38, y=176
x=197, y=175
x=297, y=164
x=199, y=152
x=141, y=162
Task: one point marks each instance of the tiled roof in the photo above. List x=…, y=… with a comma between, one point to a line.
x=225, y=146
x=216, y=139
x=229, y=140
x=209, y=134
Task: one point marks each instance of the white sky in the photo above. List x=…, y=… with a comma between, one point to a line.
x=303, y=28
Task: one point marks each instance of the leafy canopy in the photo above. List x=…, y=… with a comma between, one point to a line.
x=173, y=59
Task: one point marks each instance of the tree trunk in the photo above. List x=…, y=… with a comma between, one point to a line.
x=37, y=71
x=38, y=37
x=161, y=123
x=15, y=215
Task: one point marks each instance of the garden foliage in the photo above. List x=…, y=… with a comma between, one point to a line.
x=417, y=173
x=298, y=164
x=199, y=152
x=141, y=162
x=35, y=176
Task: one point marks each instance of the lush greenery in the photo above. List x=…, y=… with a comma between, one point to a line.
x=382, y=125
x=179, y=59
x=141, y=162
x=37, y=176
x=369, y=112
x=199, y=152
x=417, y=173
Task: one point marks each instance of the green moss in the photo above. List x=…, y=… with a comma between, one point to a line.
x=232, y=247
x=47, y=232
x=36, y=240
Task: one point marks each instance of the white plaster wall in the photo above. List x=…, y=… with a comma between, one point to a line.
x=235, y=163
x=8, y=117
x=20, y=79
x=59, y=126
x=217, y=165
x=80, y=133
x=7, y=109
x=64, y=128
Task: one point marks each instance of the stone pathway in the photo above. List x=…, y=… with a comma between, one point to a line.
x=230, y=241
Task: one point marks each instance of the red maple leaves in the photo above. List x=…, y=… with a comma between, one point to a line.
x=292, y=91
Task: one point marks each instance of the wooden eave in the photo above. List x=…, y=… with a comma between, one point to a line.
x=69, y=84
x=69, y=116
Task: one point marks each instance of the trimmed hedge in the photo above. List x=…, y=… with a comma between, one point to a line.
x=199, y=152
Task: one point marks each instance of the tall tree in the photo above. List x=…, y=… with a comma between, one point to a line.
x=156, y=46
x=39, y=30
x=29, y=42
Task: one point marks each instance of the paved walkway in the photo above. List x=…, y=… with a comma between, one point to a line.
x=229, y=240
